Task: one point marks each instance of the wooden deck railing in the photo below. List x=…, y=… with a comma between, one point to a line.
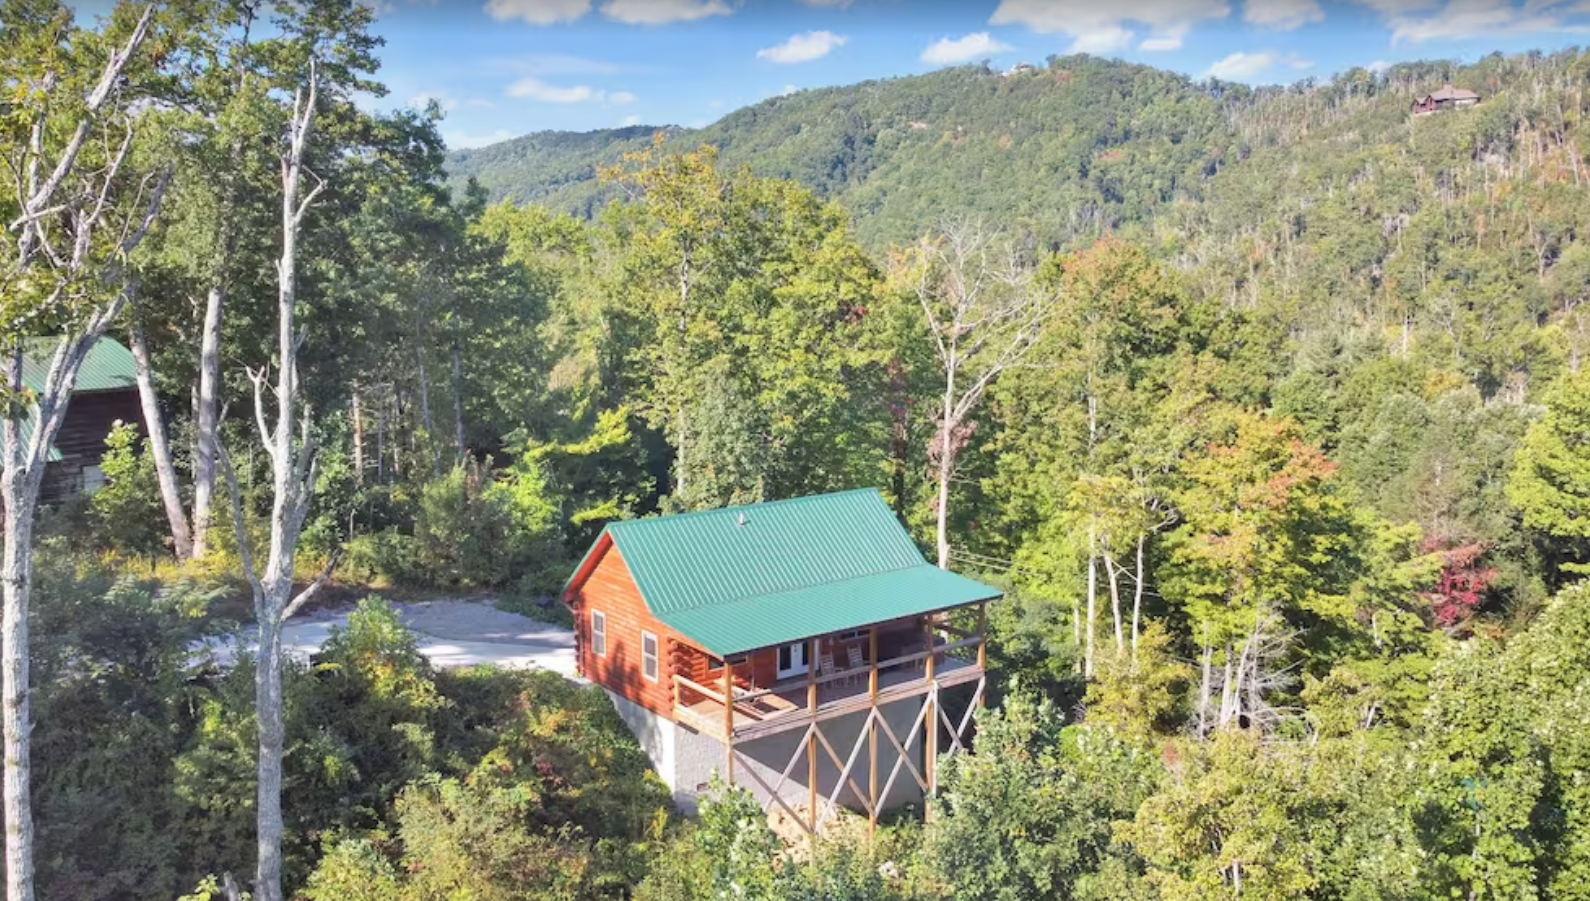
x=743, y=712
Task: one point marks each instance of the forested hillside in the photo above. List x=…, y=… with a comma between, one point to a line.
x=1066, y=153
x=1266, y=408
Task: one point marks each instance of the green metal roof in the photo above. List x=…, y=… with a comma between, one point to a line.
x=749, y=577
x=787, y=616
x=25, y=433
x=108, y=366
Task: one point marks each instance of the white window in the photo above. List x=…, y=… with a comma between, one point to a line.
x=648, y=655
x=792, y=660
x=599, y=633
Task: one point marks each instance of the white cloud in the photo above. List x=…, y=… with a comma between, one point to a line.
x=1098, y=27
x=1378, y=66
x=447, y=101
x=457, y=139
x=1399, y=7
x=660, y=12
x=442, y=98
x=538, y=90
x=1247, y=66
x=1417, y=21
x=977, y=45
x=1283, y=15
x=632, y=12
x=788, y=90
x=631, y=120
x=803, y=48
x=538, y=12
x=1160, y=44
x=839, y=4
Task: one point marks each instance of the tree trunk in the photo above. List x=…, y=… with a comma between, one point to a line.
x=684, y=330
x=1137, y=595
x=20, y=498
x=292, y=487
x=159, y=444
x=1115, y=604
x=20, y=477
x=458, y=394
x=944, y=501
x=425, y=393
x=272, y=736
x=1091, y=626
x=380, y=443
x=208, y=419
x=1204, y=687
x=358, y=440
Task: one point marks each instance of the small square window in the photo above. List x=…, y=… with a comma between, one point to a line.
x=599, y=633
x=648, y=656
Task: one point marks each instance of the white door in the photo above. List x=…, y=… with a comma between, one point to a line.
x=792, y=660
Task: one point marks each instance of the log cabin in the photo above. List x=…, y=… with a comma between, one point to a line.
x=802, y=649
x=1447, y=97
x=106, y=392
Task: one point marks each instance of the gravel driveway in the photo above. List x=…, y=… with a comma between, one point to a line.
x=450, y=633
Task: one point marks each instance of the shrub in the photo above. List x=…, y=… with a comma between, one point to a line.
x=125, y=514
x=465, y=530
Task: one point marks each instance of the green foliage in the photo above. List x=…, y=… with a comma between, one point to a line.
x=125, y=513
x=1552, y=468
x=469, y=529
x=1118, y=140
x=1028, y=816
x=114, y=692
x=466, y=529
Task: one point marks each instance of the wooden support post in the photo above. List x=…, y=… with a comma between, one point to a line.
x=728, y=720
x=811, y=736
x=930, y=739
x=872, y=731
x=982, y=643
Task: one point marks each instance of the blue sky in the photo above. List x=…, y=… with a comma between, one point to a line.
x=502, y=68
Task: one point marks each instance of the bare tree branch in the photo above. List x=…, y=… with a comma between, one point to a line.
x=245, y=555
x=314, y=587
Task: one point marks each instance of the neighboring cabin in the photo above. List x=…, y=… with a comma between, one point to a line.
x=815, y=616
x=106, y=391
x=1446, y=98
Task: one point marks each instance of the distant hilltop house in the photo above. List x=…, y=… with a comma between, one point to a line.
x=800, y=648
x=106, y=391
x=1019, y=68
x=1446, y=98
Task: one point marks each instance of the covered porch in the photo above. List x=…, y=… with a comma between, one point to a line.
x=853, y=675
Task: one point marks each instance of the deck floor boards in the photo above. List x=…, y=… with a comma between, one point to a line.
x=787, y=707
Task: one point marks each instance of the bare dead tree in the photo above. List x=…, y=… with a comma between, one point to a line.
x=159, y=443
x=1255, y=669
x=290, y=444
x=77, y=223
x=985, y=311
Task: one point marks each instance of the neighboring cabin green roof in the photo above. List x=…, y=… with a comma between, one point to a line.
x=788, y=570
x=108, y=366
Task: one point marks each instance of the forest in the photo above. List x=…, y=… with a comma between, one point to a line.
x=1265, y=407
